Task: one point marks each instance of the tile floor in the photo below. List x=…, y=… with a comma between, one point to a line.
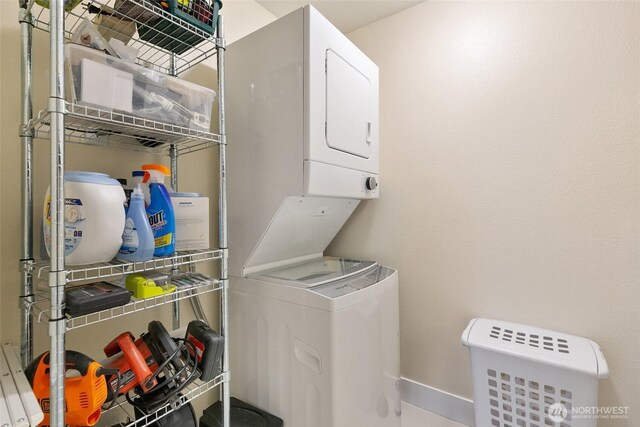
x=412, y=416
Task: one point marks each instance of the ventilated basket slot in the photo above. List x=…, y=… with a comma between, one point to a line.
x=514, y=400
x=544, y=342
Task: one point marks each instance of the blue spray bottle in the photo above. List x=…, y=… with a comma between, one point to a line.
x=160, y=211
x=162, y=220
x=137, y=239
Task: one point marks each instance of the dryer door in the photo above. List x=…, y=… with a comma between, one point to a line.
x=341, y=110
x=349, y=117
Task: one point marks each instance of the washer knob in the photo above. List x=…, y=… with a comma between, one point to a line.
x=371, y=183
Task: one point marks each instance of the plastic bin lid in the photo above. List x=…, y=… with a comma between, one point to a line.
x=90, y=178
x=185, y=194
x=538, y=345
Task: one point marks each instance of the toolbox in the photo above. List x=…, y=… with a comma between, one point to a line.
x=92, y=297
x=208, y=346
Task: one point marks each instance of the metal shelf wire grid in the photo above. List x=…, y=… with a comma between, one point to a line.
x=40, y=306
x=117, y=268
x=140, y=16
x=96, y=127
x=192, y=391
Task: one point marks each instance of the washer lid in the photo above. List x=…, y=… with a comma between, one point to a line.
x=315, y=272
x=353, y=284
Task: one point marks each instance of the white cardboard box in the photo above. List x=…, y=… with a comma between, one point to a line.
x=105, y=87
x=192, y=222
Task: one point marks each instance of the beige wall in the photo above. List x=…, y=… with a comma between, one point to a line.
x=510, y=177
x=198, y=173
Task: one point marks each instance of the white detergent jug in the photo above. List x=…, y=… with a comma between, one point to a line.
x=94, y=218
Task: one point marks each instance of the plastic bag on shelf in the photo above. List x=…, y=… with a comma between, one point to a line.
x=88, y=35
x=128, y=53
x=134, y=11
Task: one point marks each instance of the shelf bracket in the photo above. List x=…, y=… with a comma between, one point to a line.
x=26, y=302
x=26, y=131
x=59, y=277
x=24, y=16
x=57, y=327
x=56, y=105
x=27, y=265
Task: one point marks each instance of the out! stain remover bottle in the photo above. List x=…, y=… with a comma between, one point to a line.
x=160, y=211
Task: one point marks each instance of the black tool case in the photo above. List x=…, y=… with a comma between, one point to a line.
x=185, y=416
x=92, y=297
x=241, y=415
x=209, y=346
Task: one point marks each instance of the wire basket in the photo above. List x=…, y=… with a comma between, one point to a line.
x=531, y=377
x=174, y=37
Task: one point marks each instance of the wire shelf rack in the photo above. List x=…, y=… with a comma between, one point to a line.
x=126, y=20
x=115, y=268
x=41, y=304
x=123, y=410
x=169, y=36
x=96, y=127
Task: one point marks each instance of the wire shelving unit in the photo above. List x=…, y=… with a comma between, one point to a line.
x=61, y=122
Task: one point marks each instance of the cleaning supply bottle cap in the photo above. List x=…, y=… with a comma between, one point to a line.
x=156, y=167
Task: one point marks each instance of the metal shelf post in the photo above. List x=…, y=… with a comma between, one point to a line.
x=26, y=290
x=57, y=275
x=222, y=225
x=173, y=160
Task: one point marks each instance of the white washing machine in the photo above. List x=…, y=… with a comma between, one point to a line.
x=317, y=343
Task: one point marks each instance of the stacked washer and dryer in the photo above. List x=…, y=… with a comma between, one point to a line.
x=314, y=339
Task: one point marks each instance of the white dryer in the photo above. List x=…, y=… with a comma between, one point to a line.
x=316, y=343
x=302, y=126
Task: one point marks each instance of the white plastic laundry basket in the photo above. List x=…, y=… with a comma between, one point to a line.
x=531, y=377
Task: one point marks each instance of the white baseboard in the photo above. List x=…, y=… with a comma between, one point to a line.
x=455, y=408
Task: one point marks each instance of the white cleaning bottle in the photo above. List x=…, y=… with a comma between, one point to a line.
x=137, y=239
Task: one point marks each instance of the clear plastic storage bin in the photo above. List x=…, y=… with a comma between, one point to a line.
x=112, y=84
x=531, y=377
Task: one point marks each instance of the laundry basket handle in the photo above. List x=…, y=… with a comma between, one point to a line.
x=603, y=367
